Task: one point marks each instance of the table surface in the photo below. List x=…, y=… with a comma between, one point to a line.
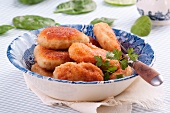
x=16, y=97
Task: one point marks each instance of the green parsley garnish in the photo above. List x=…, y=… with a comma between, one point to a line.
x=106, y=76
x=99, y=60
x=133, y=56
x=115, y=55
x=119, y=76
x=123, y=63
x=112, y=69
x=105, y=67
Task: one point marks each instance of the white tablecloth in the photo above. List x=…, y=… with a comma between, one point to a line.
x=14, y=95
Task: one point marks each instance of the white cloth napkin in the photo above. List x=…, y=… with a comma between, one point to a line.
x=139, y=92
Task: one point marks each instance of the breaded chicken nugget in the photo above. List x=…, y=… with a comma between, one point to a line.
x=60, y=37
x=127, y=72
x=49, y=59
x=80, y=52
x=78, y=72
x=85, y=52
x=37, y=69
x=106, y=37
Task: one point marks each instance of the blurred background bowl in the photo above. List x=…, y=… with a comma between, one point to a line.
x=20, y=54
x=157, y=10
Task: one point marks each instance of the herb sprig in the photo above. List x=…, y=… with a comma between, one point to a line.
x=118, y=55
x=115, y=55
x=133, y=56
x=105, y=67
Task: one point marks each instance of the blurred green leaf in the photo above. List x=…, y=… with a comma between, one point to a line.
x=30, y=2
x=31, y=22
x=76, y=7
x=142, y=26
x=5, y=28
x=109, y=21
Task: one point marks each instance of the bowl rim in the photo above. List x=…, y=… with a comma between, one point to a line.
x=25, y=70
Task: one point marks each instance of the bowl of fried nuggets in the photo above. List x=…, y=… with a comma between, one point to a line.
x=60, y=60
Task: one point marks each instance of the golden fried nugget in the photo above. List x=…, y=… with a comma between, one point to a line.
x=106, y=37
x=80, y=52
x=37, y=69
x=49, y=59
x=60, y=37
x=78, y=72
x=85, y=52
x=127, y=72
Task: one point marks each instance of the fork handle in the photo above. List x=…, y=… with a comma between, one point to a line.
x=147, y=73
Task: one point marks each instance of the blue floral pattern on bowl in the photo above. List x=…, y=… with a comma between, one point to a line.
x=157, y=15
x=157, y=10
x=20, y=51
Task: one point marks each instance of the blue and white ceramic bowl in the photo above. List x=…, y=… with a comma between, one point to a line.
x=20, y=54
x=157, y=10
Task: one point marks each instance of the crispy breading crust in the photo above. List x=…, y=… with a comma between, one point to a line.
x=60, y=37
x=106, y=37
x=49, y=59
x=80, y=52
x=127, y=72
x=52, y=62
x=37, y=69
x=78, y=72
x=85, y=52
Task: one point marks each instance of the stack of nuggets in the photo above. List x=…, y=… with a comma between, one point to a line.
x=68, y=54
x=53, y=60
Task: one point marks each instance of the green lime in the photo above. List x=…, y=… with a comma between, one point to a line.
x=121, y=2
